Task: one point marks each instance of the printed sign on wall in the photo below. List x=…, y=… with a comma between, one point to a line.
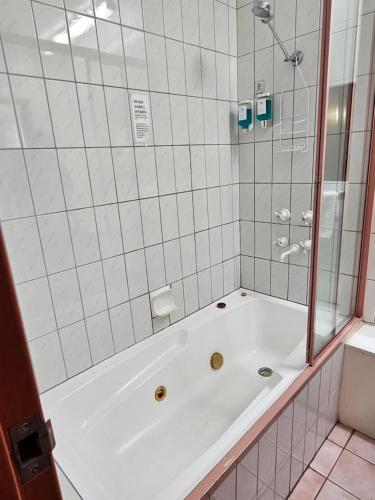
x=141, y=116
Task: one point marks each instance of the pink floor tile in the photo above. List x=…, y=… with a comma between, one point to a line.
x=308, y=486
x=355, y=475
x=362, y=446
x=340, y=434
x=331, y=491
x=326, y=458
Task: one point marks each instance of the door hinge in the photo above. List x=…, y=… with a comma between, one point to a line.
x=317, y=180
x=32, y=442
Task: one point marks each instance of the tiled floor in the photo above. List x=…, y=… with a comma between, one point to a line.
x=343, y=468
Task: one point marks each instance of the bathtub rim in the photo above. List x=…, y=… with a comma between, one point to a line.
x=97, y=370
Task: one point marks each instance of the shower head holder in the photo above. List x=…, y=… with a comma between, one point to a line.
x=296, y=58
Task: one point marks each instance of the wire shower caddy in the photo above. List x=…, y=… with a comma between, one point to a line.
x=293, y=126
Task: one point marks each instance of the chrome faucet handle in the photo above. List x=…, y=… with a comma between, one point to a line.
x=307, y=217
x=283, y=214
x=282, y=242
x=305, y=245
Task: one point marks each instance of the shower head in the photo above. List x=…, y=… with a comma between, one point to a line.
x=263, y=10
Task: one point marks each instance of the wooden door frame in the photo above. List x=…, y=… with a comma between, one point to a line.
x=19, y=398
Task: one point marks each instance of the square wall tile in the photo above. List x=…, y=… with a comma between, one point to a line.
x=100, y=336
x=122, y=326
x=66, y=297
x=76, y=349
x=137, y=273
x=17, y=24
x=24, y=249
x=32, y=112
x=45, y=180
x=85, y=50
x=75, y=178
x=48, y=361
x=36, y=307
x=56, y=242
x=66, y=126
x=57, y=63
x=141, y=313
x=91, y=282
x=84, y=235
x=135, y=56
x=131, y=13
x=111, y=53
x=109, y=230
x=15, y=195
x=93, y=115
x=115, y=280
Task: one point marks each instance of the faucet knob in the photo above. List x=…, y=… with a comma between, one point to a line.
x=283, y=214
x=283, y=241
x=305, y=245
x=307, y=217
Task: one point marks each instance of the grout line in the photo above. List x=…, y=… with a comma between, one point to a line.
x=89, y=177
x=113, y=171
x=29, y=185
x=358, y=456
x=155, y=162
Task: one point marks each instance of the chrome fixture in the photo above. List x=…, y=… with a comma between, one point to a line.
x=262, y=10
x=265, y=371
x=283, y=241
x=283, y=214
x=307, y=217
x=296, y=249
x=305, y=245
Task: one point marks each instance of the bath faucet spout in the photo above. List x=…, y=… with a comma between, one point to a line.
x=294, y=249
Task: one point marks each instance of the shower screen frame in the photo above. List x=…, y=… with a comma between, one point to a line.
x=322, y=121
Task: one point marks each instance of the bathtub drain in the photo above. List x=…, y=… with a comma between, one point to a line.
x=265, y=371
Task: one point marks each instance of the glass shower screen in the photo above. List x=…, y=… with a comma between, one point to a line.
x=343, y=178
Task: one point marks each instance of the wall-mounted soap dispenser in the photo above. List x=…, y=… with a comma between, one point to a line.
x=264, y=110
x=246, y=115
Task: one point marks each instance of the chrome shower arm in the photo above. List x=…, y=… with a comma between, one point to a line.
x=296, y=57
x=278, y=39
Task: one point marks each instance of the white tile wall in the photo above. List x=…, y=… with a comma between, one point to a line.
x=94, y=221
x=270, y=180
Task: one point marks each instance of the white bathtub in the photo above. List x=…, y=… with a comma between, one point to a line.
x=114, y=441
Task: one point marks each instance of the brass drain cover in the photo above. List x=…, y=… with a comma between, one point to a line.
x=160, y=393
x=216, y=360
